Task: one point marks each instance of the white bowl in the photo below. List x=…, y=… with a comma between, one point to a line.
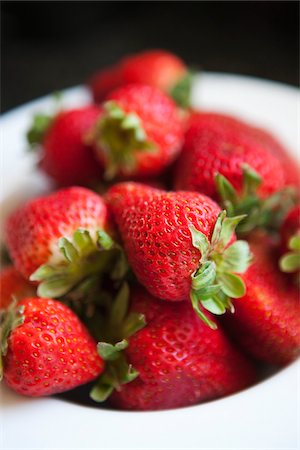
x=265, y=416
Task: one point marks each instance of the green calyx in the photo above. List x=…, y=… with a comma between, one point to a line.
x=120, y=136
x=118, y=327
x=40, y=125
x=10, y=318
x=83, y=258
x=260, y=213
x=181, y=91
x=216, y=282
x=290, y=262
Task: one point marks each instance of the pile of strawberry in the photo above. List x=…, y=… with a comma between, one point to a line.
x=169, y=287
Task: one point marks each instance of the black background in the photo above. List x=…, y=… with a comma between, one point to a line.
x=48, y=46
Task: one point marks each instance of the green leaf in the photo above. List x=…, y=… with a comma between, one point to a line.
x=68, y=249
x=119, y=307
x=101, y=391
x=110, y=352
x=37, y=131
x=196, y=300
x=43, y=272
x=55, y=287
x=199, y=241
x=251, y=180
x=215, y=239
x=133, y=323
x=104, y=240
x=208, y=291
x=83, y=240
x=130, y=375
x=232, y=285
x=181, y=91
x=294, y=243
x=225, y=189
x=228, y=228
x=290, y=262
x=236, y=257
x=214, y=305
x=204, y=276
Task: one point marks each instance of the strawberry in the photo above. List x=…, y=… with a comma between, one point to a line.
x=157, y=68
x=266, y=322
x=13, y=285
x=179, y=245
x=290, y=242
x=179, y=361
x=140, y=132
x=66, y=157
x=35, y=239
x=226, y=160
x=48, y=350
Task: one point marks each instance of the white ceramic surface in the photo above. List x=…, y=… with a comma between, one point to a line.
x=264, y=417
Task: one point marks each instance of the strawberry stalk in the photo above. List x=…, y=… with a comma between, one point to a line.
x=216, y=282
x=119, y=326
x=10, y=318
x=263, y=213
x=120, y=135
x=82, y=257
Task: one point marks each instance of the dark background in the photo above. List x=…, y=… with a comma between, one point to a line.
x=48, y=46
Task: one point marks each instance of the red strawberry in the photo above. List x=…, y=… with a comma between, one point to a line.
x=227, y=160
x=179, y=245
x=105, y=81
x=34, y=236
x=67, y=158
x=267, y=319
x=140, y=132
x=179, y=360
x=13, y=285
x=290, y=242
x=49, y=351
x=157, y=68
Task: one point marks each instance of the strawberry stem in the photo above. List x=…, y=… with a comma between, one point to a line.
x=119, y=326
x=215, y=281
x=83, y=257
x=263, y=213
x=120, y=135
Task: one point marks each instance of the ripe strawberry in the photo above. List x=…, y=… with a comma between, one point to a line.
x=34, y=236
x=290, y=242
x=66, y=157
x=157, y=68
x=13, y=285
x=49, y=350
x=179, y=360
x=179, y=245
x=140, y=132
x=266, y=322
x=232, y=162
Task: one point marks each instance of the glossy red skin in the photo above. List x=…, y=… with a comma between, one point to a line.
x=13, y=285
x=66, y=157
x=180, y=360
x=161, y=122
x=290, y=227
x=266, y=322
x=50, y=352
x=154, y=228
x=104, y=81
x=216, y=143
x=34, y=229
x=157, y=68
